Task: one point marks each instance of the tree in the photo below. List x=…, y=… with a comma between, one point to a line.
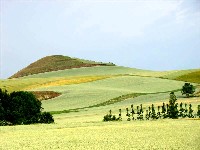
x=164, y=111
x=181, y=110
x=24, y=108
x=173, y=111
x=198, y=112
x=188, y=89
x=127, y=114
x=20, y=108
x=190, y=115
x=132, y=112
x=153, y=115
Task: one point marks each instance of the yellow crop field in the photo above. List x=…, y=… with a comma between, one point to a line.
x=31, y=83
x=64, y=81
x=89, y=132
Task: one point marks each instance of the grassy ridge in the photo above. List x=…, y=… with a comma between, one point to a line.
x=54, y=63
x=193, y=77
x=174, y=74
x=92, y=71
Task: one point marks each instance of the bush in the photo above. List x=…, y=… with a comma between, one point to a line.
x=109, y=117
x=4, y=123
x=46, y=117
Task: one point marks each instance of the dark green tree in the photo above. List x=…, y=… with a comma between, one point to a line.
x=132, y=112
x=138, y=110
x=120, y=115
x=198, y=112
x=173, y=106
x=19, y=108
x=127, y=114
x=147, y=115
x=149, y=111
x=164, y=111
x=24, y=108
x=158, y=113
x=188, y=89
x=186, y=111
x=153, y=112
x=181, y=110
x=141, y=109
x=190, y=115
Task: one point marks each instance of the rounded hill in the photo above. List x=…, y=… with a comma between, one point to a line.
x=55, y=63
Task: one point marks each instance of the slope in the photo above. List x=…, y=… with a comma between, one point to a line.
x=54, y=63
x=193, y=77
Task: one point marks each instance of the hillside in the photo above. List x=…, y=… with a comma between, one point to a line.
x=193, y=77
x=55, y=63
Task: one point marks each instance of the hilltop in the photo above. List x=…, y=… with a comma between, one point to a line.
x=55, y=63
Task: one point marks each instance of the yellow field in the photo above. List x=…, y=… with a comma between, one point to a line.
x=64, y=81
x=31, y=83
x=89, y=132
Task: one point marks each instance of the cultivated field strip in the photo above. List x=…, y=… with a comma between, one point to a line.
x=91, y=93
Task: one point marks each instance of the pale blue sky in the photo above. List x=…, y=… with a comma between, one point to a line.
x=146, y=34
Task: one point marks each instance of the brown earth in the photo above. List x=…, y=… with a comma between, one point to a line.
x=45, y=95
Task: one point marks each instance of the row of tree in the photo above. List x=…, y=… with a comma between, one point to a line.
x=21, y=108
x=170, y=110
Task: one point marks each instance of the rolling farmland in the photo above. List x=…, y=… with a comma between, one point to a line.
x=88, y=92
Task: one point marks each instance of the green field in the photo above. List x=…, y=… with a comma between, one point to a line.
x=87, y=94
x=90, y=92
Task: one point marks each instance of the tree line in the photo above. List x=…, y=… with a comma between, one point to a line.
x=171, y=110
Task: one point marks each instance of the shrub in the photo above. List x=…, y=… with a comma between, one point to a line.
x=46, y=117
x=109, y=117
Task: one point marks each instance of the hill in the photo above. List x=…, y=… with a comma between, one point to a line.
x=55, y=63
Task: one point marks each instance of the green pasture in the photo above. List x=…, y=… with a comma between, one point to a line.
x=111, y=70
x=91, y=93
x=88, y=71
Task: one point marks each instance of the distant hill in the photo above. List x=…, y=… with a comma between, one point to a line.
x=55, y=63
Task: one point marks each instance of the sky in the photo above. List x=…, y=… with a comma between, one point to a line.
x=147, y=34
